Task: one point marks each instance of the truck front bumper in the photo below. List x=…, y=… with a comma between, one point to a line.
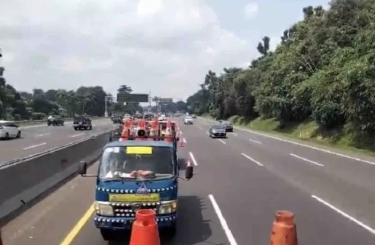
x=125, y=223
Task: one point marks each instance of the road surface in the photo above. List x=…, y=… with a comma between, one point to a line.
x=39, y=138
x=240, y=183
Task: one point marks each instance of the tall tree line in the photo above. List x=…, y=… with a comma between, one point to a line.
x=36, y=105
x=323, y=70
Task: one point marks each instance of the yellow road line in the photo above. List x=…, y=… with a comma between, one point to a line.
x=78, y=227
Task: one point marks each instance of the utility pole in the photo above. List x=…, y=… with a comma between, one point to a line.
x=106, y=105
x=149, y=102
x=2, y=69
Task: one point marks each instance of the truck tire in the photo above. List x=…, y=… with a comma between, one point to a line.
x=171, y=231
x=108, y=235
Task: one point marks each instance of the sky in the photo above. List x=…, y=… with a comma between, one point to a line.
x=162, y=46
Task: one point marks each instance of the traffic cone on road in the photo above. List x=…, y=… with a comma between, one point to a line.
x=145, y=229
x=284, y=230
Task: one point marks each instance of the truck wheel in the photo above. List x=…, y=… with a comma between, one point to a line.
x=171, y=231
x=108, y=235
x=75, y=129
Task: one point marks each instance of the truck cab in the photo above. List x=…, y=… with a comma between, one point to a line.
x=136, y=174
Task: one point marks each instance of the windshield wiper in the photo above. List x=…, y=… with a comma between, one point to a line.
x=117, y=178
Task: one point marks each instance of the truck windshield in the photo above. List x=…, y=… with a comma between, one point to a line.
x=136, y=163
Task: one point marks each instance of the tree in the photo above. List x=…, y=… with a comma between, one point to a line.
x=125, y=89
x=16, y=105
x=323, y=70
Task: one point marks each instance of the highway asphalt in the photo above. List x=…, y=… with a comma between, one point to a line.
x=240, y=183
x=38, y=138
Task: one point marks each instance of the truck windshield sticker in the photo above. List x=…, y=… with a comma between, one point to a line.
x=137, y=150
x=116, y=150
x=108, y=150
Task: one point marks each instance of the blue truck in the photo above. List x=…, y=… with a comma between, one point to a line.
x=133, y=175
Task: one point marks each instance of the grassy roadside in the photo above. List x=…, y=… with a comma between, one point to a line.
x=309, y=133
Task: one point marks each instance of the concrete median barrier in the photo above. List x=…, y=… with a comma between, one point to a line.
x=24, y=180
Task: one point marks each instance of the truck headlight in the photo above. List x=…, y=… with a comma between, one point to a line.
x=104, y=209
x=168, y=207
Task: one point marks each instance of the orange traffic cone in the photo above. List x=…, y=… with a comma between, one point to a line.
x=284, y=230
x=145, y=229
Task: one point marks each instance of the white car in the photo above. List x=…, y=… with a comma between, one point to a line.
x=9, y=130
x=188, y=120
x=162, y=118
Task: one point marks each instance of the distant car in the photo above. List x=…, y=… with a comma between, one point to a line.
x=137, y=116
x=188, y=120
x=116, y=119
x=55, y=121
x=9, y=130
x=148, y=117
x=162, y=117
x=82, y=122
x=217, y=131
x=116, y=135
x=194, y=116
x=228, y=125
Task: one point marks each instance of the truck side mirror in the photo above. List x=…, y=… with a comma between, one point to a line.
x=189, y=172
x=82, y=168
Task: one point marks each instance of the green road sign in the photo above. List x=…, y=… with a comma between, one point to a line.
x=165, y=100
x=135, y=98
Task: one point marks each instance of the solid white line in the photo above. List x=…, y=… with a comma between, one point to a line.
x=366, y=227
x=200, y=128
x=222, y=141
x=33, y=146
x=306, y=160
x=255, y=141
x=184, y=140
x=193, y=159
x=243, y=154
x=223, y=222
x=181, y=132
x=207, y=133
x=235, y=134
x=76, y=135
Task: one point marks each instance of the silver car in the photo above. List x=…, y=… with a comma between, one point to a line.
x=217, y=131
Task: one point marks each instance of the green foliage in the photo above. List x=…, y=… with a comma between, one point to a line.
x=323, y=70
x=15, y=105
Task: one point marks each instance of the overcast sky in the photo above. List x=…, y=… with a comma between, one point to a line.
x=166, y=46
